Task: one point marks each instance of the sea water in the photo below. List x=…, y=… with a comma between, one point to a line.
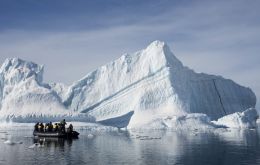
x=222, y=146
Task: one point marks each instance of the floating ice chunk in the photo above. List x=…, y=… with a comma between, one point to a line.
x=90, y=136
x=9, y=142
x=246, y=119
x=32, y=146
x=12, y=142
x=38, y=145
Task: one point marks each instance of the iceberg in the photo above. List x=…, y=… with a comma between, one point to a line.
x=135, y=90
x=152, y=83
x=25, y=98
x=246, y=119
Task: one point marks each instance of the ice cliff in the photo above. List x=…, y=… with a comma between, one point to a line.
x=130, y=91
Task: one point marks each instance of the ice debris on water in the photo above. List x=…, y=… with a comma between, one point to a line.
x=36, y=145
x=90, y=136
x=9, y=142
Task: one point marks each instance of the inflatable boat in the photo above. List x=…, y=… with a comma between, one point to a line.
x=73, y=134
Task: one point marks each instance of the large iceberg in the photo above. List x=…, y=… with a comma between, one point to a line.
x=131, y=91
x=153, y=83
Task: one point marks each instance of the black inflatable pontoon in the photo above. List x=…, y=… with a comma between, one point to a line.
x=73, y=134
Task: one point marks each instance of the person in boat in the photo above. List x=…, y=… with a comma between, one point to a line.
x=70, y=129
x=55, y=127
x=62, y=125
x=50, y=127
x=63, y=122
x=41, y=127
x=36, y=127
x=58, y=127
x=46, y=127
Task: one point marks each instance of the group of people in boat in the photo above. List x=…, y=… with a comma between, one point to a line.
x=49, y=127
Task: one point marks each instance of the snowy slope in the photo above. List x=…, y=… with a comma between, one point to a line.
x=134, y=90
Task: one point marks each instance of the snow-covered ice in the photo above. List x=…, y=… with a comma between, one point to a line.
x=246, y=119
x=90, y=136
x=150, y=88
x=152, y=83
x=25, y=98
x=9, y=142
x=190, y=121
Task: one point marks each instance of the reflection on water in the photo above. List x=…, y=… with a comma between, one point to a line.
x=133, y=147
x=51, y=142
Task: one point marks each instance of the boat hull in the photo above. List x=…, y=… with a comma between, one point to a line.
x=73, y=134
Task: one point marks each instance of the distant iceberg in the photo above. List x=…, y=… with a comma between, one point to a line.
x=135, y=90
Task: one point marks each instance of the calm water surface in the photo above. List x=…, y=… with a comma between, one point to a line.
x=124, y=147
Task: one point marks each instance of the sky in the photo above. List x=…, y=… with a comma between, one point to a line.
x=73, y=37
